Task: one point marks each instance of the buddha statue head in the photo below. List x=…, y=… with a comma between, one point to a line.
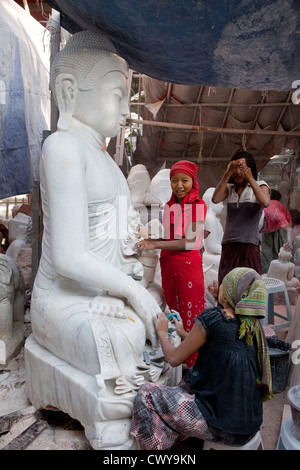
x=284, y=256
x=89, y=82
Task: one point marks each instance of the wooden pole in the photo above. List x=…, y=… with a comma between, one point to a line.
x=36, y=229
x=54, y=49
x=26, y=7
x=120, y=140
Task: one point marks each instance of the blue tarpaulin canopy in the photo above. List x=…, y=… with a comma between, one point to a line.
x=24, y=98
x=229, y=66
x=218, y=76
x=246, y=44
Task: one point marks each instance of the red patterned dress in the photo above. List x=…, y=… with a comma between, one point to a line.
x=182, y=271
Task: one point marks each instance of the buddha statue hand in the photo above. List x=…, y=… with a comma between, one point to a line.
x=145, y=307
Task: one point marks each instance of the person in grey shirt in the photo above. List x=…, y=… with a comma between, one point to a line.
x=246, y=197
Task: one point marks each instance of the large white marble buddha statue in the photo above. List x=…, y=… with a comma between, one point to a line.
x=86, y=308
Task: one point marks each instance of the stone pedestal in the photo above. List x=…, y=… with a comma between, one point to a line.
x=51, y=383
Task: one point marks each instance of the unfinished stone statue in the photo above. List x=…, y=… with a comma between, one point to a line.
x=139, y=182
x=283, y=188
x=90, y=318
x=212, y=242
x=12, y=301
x=20, y=250
x=297, y=256
x=295, y=199
x=20, y=231
x=158, y=194
x=159, y=191
x=149, y=204
x=149, y=196
x=284, y=269
x=151, y=266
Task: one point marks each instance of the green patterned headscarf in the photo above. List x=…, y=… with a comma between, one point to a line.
x=245, y=291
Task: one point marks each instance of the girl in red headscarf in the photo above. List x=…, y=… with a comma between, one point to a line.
x=180, y=259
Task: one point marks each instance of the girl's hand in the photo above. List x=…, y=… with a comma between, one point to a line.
x=161, y=325
x=179, y=328
x=145, y=245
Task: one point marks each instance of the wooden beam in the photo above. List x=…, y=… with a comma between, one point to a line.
x=7, y=421
x=223, y=104
x=223, y=121
x=170, y=86
x=26, y=7
x=26, y=437
x=284, y=108
x=222, y=130
x=201, y=89
x=205, y=159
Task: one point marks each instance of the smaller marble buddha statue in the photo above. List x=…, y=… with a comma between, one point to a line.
x=283, y=188
x=284, y=269
x=159, y=191
x=20, y=234
x=12, y=300
x=297, y=256
x=295, y=199
x=139, y=182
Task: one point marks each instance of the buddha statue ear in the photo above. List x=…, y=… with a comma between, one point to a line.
x=66, y=95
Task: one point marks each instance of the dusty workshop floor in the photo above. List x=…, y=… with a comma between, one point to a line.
x=57, y=431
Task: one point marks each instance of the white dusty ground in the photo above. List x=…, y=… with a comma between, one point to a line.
x=61, y=432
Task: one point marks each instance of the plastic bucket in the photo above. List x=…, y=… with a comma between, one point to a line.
x=294, y=399
x=279, y=360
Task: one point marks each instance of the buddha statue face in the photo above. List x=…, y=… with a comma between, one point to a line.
x=105, y=106
x=89, y=82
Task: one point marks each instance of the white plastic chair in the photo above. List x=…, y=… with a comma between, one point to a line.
x=275, y=285
x=287, y=439
x=254, y=444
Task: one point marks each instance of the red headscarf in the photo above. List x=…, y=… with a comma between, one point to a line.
x=190, y=169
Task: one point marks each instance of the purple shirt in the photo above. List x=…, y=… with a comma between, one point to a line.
x=243, y=216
